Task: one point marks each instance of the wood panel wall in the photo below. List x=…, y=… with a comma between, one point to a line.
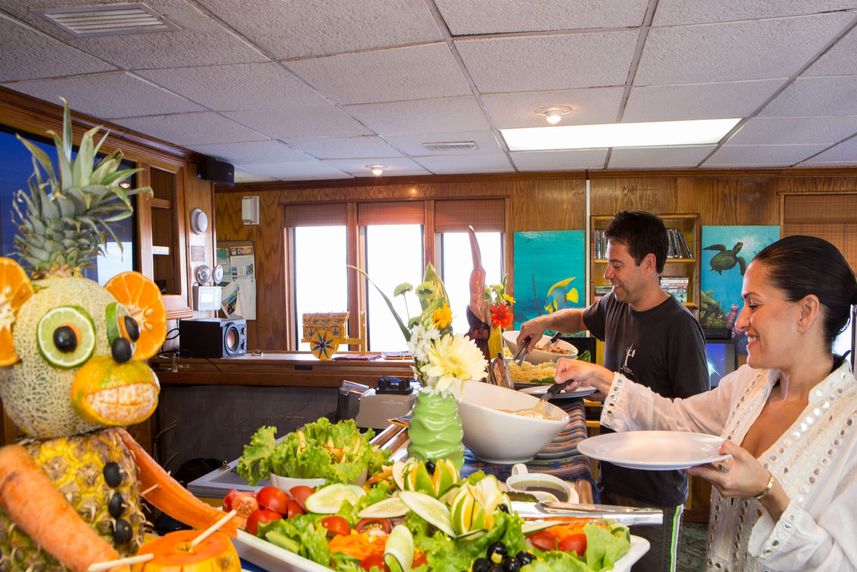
x=536, y=202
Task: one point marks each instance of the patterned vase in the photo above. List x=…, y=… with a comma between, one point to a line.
x=435, y=430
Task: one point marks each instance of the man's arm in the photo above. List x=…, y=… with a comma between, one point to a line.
x=565, y=321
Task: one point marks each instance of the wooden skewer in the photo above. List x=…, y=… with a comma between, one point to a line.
x=150, y=489
x=108, y=564
x=213, y=528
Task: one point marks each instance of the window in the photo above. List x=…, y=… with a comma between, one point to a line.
x=319, y=260
x=457, y=265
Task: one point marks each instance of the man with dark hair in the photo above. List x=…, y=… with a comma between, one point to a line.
x=652, y=339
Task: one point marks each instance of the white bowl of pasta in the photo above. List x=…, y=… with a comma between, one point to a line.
x=544, y=350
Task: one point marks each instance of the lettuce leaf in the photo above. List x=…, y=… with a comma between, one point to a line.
x=307, y=531
x=255, y=462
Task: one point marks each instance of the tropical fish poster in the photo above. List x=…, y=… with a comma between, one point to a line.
x=550, y=272
x=726, y=252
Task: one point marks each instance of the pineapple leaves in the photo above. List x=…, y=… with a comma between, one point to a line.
x=41, y=157
x=67, y=134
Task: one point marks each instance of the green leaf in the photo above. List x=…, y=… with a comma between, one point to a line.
x=40, y=156
x=402, y=288
x=67, y=134
x=405, y=331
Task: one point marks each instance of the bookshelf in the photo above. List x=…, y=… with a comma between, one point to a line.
x=681, y=270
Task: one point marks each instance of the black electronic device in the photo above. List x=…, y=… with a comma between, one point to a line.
x=213, y=337
x=393, y=385
x=220, y=172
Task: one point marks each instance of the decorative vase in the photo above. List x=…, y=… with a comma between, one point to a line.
x=436, y=431
x=495, y=341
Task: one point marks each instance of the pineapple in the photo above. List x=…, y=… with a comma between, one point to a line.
x=72, y=369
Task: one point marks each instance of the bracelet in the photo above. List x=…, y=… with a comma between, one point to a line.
x=767, y=488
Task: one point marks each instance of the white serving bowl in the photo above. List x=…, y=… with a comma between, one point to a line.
x=496, y=436
x=539, y=356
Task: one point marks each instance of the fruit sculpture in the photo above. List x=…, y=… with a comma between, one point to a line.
x=72, y=375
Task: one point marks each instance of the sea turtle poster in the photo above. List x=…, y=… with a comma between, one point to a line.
x=726, y=252
x=550, y=272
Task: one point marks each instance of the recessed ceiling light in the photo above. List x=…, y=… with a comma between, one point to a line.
x=377, y=170
x=651, y=134
x=554, y=113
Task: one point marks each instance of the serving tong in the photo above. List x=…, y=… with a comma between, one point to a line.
x=628, y=515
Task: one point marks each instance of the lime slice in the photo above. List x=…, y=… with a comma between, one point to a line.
x=114, y=314
x=66, y=336
x=399, y=552
x=329, y=500
x=430, y=509
x=388, y=508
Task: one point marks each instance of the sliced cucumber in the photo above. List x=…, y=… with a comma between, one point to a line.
x=388, y=508
x=399, y=552
x=283, y=541
x=531, y=526
x=329, y=499
x=429, y=508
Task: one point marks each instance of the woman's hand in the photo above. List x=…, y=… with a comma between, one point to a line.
x=743, y=476
x=583, y=373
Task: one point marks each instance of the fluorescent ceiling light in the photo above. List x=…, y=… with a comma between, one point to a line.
x=652, y=134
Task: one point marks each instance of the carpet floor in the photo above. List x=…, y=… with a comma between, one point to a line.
x=691, y=557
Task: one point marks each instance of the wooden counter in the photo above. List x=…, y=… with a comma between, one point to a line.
x=279, y=369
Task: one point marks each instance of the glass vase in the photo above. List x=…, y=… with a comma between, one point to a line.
x=436, y=431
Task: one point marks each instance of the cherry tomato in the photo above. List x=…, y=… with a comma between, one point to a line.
x=336, y=525
x=419, y=560
x=242, y=502
x=573, y=543
x=374, y=560
x=294, y=509
x=366, y=524
x=543, y=540
x=273, y=499
x=227, y=500
x=300, y=493
x=261, y=516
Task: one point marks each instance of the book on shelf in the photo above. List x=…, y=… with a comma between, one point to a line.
x=676, y=286
x=600, y=244
x=602, y=290
x=678, y=247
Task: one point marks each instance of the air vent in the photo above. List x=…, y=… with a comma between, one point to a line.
x=452, y=146
x=108, y=19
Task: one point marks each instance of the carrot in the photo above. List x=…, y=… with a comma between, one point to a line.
x=357, y=544
x=30, y=498
x=169, y=496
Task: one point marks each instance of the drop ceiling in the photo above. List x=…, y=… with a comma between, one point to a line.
x=304, y=90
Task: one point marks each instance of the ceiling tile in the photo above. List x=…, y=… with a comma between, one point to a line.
x=549, y=62
x=287, y=121
x=242, y=176
x=764, y=49
x=344, y=147
x=482, y=163
x=296, y=171
x=38, y=55
x=839, y=60
x=418, y=72
x=224, y=88
x=299, y=29
x=108, y=96
x=698, y=101
x=795, y=130
x=761, y=155
x=412, y=143
x=845, y=152
x=252, y=152
x=659, y=157
x=192, y=128
x=815, y=96
x=496, y=16
x=421, y=116
x=393, y=167
x=678, y=12
x=575, y=160
x=588, y=106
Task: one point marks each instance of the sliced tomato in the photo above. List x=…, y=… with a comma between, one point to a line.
x=243, y=502
x=367, y=524
x=227, y=500
x=573, y=543
x=261, y=516
x=336, y=525
x=376, y=560
x=273, y=499
x=300, y=494
x=543, y=540
x=294, y=509
x=419, y=560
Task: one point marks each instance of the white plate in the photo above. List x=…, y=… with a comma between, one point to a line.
x=654, y=450
x=542, y=389
x=538, y=356
x=264, y=554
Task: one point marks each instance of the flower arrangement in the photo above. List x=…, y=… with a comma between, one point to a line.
x=500, y=305
x=441, y=358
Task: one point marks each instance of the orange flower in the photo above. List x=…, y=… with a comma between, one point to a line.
x=442, y=317
x=501, y=316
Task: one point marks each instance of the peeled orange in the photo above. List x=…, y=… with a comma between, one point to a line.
x=143, y=300
x=15, y=289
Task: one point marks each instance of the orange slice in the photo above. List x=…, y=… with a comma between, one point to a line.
x=15, y=289
x=143, y=300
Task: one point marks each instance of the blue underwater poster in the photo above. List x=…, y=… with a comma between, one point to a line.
x=726, y=252
x=549, y=272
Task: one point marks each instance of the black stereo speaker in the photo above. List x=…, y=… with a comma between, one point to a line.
x=213, y=337
x=220, y=172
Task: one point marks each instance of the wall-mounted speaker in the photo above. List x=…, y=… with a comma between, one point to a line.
x=220, y=172
x=213, y=337
x=250, y=210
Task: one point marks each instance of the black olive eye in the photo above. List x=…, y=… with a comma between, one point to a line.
x=131, y=328
x=65, y=339
x=121, y=350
